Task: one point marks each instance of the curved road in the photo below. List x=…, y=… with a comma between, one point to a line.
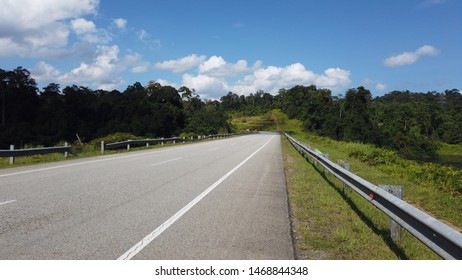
x=222, y=199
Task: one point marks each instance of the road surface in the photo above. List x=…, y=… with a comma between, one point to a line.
x=223, y=199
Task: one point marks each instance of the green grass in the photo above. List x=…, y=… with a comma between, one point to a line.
x=330, y=223
x=423, y=182
x=261, y=123
x=450, y=155
x=377, y=166
x=324, y=225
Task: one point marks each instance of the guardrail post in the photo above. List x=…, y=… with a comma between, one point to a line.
x=11, y=158
x=326, y=156
x=162, y=143
x=396, y=231
x=346, y=166
x=65, y=153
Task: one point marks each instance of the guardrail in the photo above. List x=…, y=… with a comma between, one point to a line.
x=12, y=153
x=442, y=239
x=129, y=143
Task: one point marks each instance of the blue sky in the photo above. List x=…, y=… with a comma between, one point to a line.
x=239, y=46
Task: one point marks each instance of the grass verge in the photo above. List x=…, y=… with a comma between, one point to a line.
x=322, y=210
x=330, y=223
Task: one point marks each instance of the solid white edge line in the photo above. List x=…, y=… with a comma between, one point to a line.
x=6, y=202
x=162, y=162
x=132, y=252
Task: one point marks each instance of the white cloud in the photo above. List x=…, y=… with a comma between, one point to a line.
x=216, y=66
x=407, y=58
x=120, y=23
x=205, y=85
x=167, y=83
x=81, y=26
x=101, y=69
x=39, y=28
x=212, y=80
x=88, y=32
x=274, y=78
x=141, y=67
x=45, y=72
x=143, y=35
x=146, y=38
x=181, y=65
x=102, y=73
x=380, y=87
x=427, y=50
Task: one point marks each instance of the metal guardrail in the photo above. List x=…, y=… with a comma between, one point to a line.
x=12, y=153
x=442, y=239
x=130, y=143
x=34, y=151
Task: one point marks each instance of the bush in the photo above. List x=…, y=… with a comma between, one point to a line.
x=445, y=178
x=115, y=137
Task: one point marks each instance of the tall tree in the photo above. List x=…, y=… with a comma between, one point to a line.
x=357, y=125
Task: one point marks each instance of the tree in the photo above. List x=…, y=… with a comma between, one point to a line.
x=20, y=104
x=356, y=122
x=51, y=117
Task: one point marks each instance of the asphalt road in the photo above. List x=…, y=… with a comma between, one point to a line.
x=223, y=199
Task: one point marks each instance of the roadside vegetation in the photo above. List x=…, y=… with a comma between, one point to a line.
x=310, y=193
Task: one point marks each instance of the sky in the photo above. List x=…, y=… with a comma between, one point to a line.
x=240, y=46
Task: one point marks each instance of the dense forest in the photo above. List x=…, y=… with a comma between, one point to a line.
x=411, y=123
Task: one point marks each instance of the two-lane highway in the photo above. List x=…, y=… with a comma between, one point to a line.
x=221, y=199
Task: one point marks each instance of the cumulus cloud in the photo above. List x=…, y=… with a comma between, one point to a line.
x=101, y=69
x=407, y=58
x=81, y=26
x=217, y=67
x=88, y=32
x=45, y=72
x=103, y=72
x=206, y=86
x=40, y=28
x=120, y=23
x=273, y=78
x=215, y=77
x=181, y=65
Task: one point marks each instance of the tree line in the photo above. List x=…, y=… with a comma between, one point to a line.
x=46, y=117
x=411, y=123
